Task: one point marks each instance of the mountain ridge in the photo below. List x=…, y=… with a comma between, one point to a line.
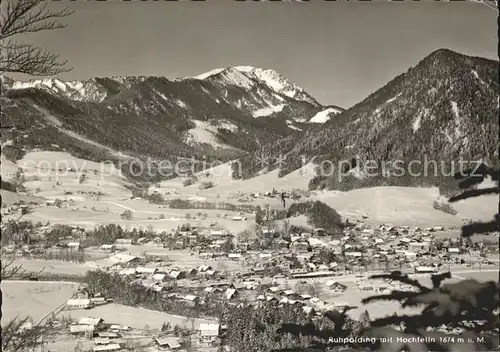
x=445, y=107
x=222, y=117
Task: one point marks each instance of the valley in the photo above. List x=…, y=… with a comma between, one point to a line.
x=102, y=229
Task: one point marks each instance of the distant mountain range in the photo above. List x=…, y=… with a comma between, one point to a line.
x=221, y=114
x=446, y=108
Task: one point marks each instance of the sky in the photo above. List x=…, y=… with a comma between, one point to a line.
x=339, y=52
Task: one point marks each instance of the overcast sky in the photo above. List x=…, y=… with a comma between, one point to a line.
x=339, y=52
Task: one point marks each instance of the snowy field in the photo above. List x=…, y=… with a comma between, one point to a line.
x=34, y=299
x=134, y=317
x=390, y=205
x=53, y=266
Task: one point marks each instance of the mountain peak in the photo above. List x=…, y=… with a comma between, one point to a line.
x=274, y=80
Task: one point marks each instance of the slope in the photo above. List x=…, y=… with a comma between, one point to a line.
x=444, y=109
x=221, y=117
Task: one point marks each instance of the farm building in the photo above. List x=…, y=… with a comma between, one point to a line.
x=73, y=245
x=108, y=334
x=209, y=333
x=121, y=258
x=96, y=322
x=426, y=269
x=81, y=329
x=98, y=300
x=107, y=348
x=234, y=256
x=354, y=254
x=167, y=343
x=217, y=234
x=144, y=270
x=300, y=247
x=127, y=271
x=79, y=304
x=410, y=256
x=102, y=340
x=159, y=277
x=108, y=247
x=116, y=327
x=50, y=203
x=336, y=286
x=314, y=274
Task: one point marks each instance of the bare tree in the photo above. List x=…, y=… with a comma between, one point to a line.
x=19, y=17
x=18, y=335
x=11, y=271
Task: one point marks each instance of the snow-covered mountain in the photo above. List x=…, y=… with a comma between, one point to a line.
x=94, y=89
x=223, y=113
x=444, y=109
x=244, y=75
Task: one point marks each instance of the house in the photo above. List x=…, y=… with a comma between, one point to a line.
x=108, y=348
x=295, y=272
x=217, y=233
x=81, y=329
x=300, y=247
x=189, y=298
x=115, y=327
x=96, y=322
x=73, y=245
x=203, y=268
x=426, y=269
x=167, y=343
x=336, y=286
x=144, y=270
x=127, y=271
x=79, y=304
x=108, y=247
x=419, y=245
x=307, y=309
x=175, y=274
x=159, y=277
x=320, y=232
x=98, y=300
x=234, y=256
x=109, y=334
x=50, y=203
x=453, y=251
x=353, y=254
x=206, y=255
x=267, y=231
x=379, y=241
x=179, y=244
x=121, y=258
x=410, y=256
x=102, y=340
x=209, y=333
x=341, y=304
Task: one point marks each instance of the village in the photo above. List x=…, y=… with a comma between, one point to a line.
x=280, y=263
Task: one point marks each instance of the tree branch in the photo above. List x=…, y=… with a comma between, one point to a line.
x=28, y=16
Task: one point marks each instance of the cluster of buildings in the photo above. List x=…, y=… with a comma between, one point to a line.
x=114, y=337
